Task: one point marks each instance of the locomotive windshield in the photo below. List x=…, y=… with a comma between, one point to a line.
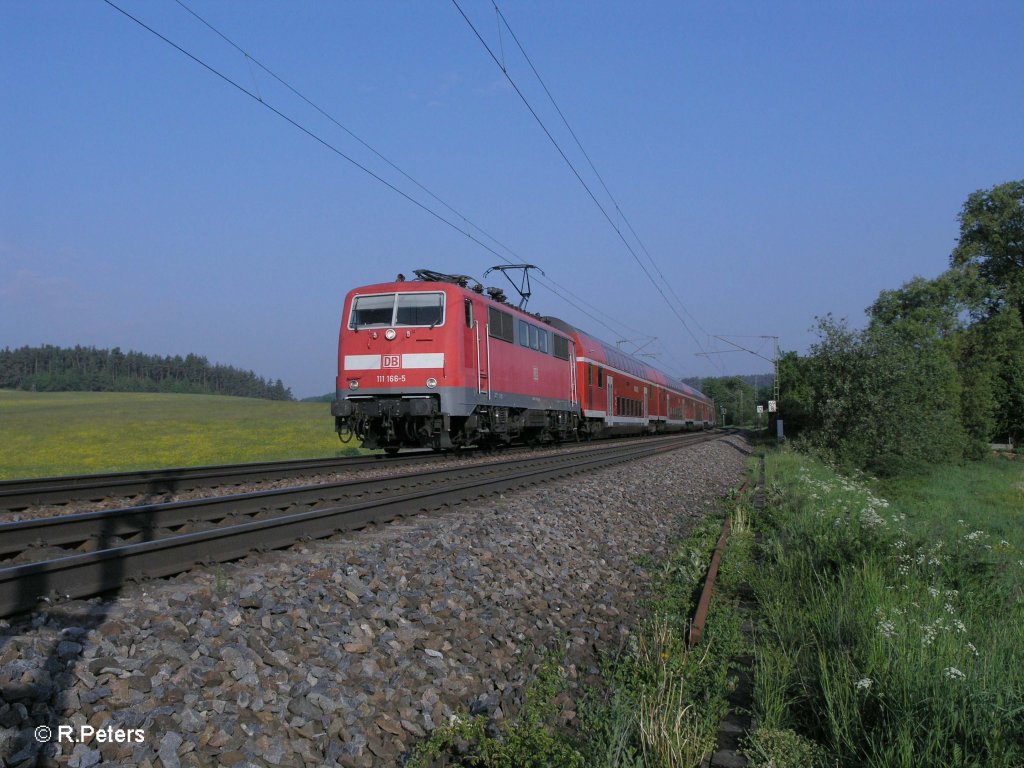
x=390, y=309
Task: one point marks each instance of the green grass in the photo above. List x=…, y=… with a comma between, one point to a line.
x=57, y=433
x=984, y=494
x=891, y=628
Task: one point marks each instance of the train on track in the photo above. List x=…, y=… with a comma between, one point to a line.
x=435, y=363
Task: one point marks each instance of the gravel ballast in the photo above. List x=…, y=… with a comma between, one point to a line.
x=348, y=651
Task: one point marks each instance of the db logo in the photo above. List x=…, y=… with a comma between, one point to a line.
x=392, y=361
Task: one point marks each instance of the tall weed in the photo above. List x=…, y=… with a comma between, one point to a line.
x=887, y=635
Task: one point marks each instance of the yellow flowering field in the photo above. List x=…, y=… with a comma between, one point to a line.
x=59, y=433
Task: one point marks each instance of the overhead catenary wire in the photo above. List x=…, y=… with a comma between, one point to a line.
x=552, y=285
x=301, y=127
x=557, y=290
x=575, y=171
x=590, y=162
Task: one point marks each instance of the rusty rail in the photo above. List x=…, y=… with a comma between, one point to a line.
x=701, y=615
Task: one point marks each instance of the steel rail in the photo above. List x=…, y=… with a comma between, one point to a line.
x=81, y=575
x=148, y=519
x=18, y=494
x=22, y=493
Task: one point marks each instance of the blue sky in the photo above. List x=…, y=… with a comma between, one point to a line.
x=778, y=161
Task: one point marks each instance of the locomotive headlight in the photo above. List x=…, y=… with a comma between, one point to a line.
x=390, y=334
x=353, y=384
x=431, y=382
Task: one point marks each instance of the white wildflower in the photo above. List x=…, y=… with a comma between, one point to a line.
x=955, y=674
x=871, y=519
x=930, y=632
x=863, y=684
x=887, y=628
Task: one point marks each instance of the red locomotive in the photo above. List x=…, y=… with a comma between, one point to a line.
x=434, y=363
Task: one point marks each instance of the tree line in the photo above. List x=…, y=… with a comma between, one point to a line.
x=938, y=372
x=739, y=396
x=87, y=369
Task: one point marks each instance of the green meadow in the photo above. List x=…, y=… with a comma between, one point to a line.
x=59, y=433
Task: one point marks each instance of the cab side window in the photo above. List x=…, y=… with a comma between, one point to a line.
x=500, y=324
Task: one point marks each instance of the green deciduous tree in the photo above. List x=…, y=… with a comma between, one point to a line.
x=796, y=393
x=738, y=397
x=993, y=362
x=992, y=241
x=887, y=399
x=990, y=258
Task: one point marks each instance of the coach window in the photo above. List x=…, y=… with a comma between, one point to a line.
x=543, y=338
x=534, y=337
x=524, y=333
x=590, y=373
x=469, y=313
x=600, y=378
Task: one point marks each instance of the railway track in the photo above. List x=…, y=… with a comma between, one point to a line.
x=79, y=555
x=16, y=495
x=19, y=494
